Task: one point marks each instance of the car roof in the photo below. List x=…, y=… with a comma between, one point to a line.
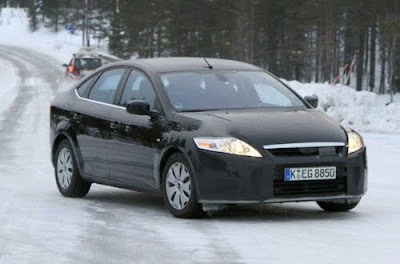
x=87, y=51
x=87, y=57
x=172, y=64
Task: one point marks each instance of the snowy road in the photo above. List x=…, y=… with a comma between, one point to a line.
x=38, y=225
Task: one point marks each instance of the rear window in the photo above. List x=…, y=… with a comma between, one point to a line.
x=87, y=63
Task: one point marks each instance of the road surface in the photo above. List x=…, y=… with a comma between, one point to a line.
x=38, y=225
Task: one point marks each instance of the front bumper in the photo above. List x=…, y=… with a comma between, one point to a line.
x=229, y=179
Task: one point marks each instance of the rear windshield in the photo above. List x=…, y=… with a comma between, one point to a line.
x=87, y=63
x=214, y=89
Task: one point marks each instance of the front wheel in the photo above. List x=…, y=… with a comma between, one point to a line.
x=69, y=182
x=178, y=188
x=339, y=206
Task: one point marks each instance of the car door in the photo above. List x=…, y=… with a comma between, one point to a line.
x=134, y=139
x=92, y=116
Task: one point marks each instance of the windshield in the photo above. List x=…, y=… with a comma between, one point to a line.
x=86, y=63
x=211, y=89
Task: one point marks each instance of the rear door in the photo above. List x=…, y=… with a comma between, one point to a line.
x=93, y=118
x=134, y=138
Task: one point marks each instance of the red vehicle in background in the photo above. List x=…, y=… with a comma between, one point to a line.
x=84, y=62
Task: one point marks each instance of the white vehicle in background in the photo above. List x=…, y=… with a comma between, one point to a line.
x=85, y=61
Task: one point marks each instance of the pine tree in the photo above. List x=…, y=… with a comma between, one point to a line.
x=33, y=11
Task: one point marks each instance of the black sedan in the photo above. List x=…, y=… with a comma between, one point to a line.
x=203, y=133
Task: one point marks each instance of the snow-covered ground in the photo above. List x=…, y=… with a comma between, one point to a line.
x=38, y=225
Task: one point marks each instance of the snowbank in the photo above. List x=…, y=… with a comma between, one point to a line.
x=14, y=31
x=363, y=111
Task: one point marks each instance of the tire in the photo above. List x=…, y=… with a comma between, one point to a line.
x=179, y=189
x=338, y=206
x=68, y=179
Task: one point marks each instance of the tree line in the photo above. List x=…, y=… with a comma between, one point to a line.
x=306, y=40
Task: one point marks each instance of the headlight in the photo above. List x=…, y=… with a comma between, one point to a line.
x=227, y=145
x=355, y=142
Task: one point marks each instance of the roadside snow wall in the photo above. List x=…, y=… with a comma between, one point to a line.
x=363, y=111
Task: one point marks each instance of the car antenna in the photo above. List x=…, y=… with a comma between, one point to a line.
x=209, y=65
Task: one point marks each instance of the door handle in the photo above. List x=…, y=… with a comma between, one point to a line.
x=128, y=129
x=77, y=116
x=115, y=125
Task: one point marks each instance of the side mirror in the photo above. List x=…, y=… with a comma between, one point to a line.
x=138, y=107
x=65, y=65
x=312, y=100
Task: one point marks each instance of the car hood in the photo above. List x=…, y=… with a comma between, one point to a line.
x=265, y=127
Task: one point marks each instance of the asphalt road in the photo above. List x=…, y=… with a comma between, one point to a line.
x=38, y=225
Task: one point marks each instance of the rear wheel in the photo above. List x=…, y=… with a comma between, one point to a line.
x=68, y=179
x=339, y=206
x=178, y=188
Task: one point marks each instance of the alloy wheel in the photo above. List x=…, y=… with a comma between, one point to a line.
x=64, y=168
x=178, y=186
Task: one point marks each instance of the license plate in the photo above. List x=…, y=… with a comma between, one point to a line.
x=84, y=73
x=307, y=174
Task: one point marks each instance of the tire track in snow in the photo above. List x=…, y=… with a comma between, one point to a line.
x=32, y=71
x=21, y=161
x=15, y=110
x=30, y=78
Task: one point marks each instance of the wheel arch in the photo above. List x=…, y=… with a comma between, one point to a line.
x=165, y=155
x=56, y=143
x=65, y=135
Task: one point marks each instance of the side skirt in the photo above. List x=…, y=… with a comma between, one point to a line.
x=122, y=185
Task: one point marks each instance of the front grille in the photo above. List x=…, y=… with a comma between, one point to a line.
x=309, y=151
x=339, y=185
x=310, y=187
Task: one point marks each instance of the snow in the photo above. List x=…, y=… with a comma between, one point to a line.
x=363, y=111
x=110, y=225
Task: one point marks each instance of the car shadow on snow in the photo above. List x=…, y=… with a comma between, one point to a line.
x=125, y=199
x=305, y=211
x=154, y=205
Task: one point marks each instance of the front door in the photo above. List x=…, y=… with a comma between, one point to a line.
x=134, y=138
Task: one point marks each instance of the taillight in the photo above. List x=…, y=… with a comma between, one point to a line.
x=71, y=69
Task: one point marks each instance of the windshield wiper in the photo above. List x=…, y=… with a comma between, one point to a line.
x=193, y=110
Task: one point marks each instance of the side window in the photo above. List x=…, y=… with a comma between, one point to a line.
x=84, y=86
x=104, y=89
x=138, y=87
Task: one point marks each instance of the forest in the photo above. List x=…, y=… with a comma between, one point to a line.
x=337, y=41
